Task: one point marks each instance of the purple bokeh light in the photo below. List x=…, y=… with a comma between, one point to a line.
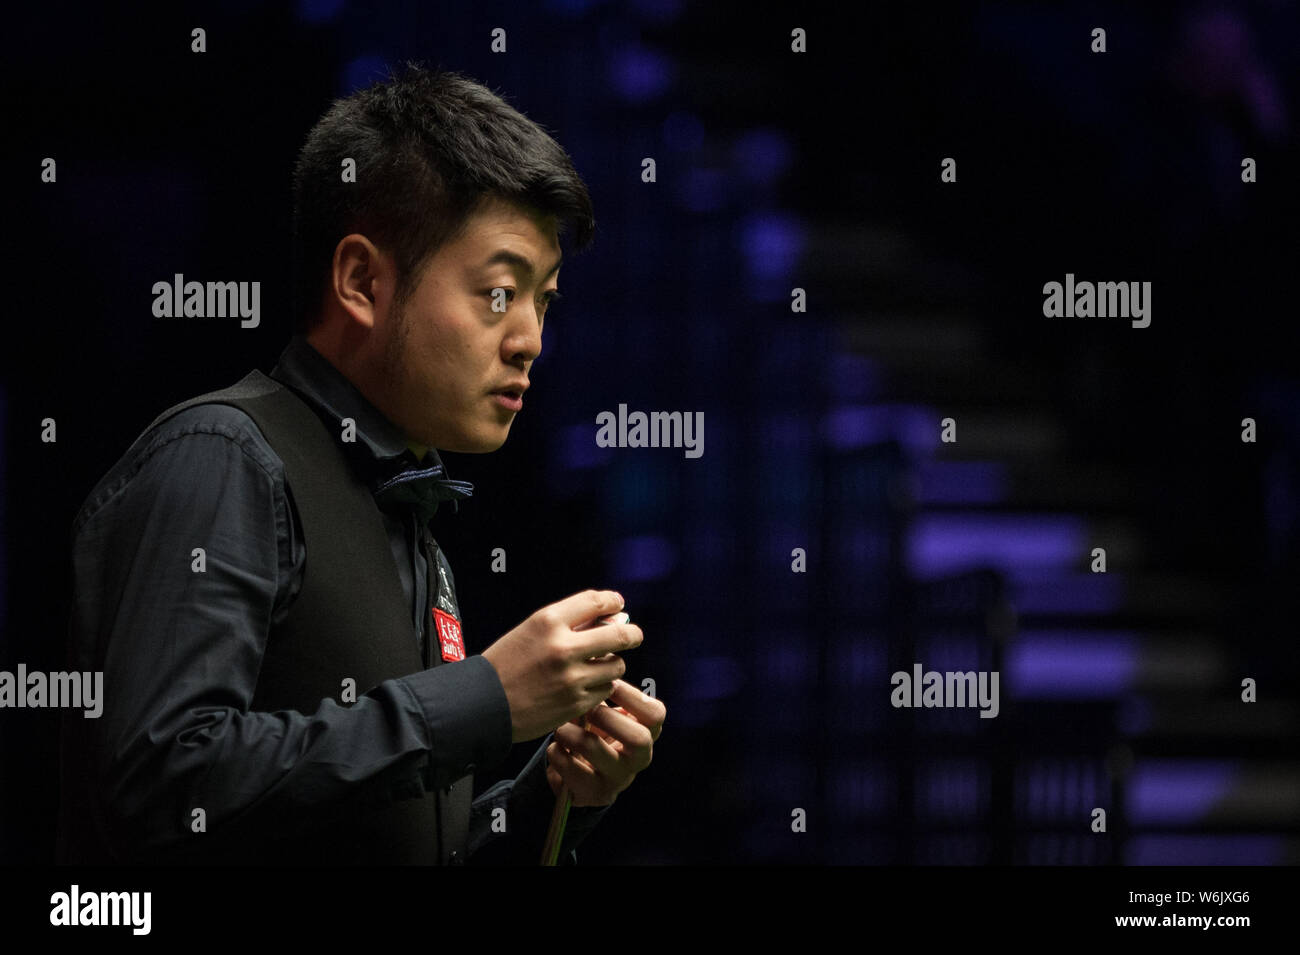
x=772, y=243
x=854, y=426
x=762, y=156
x=360, y=72
x=639, y=74
x=1071, y=665
x=938, y=544
x=1178, y=791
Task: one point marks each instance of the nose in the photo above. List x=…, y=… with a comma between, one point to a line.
x=524, y=343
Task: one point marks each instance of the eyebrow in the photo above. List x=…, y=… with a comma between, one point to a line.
x=519, y=262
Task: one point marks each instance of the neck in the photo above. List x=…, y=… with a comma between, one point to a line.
x=331, y=341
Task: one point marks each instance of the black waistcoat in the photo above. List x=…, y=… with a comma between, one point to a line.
x=350, y=619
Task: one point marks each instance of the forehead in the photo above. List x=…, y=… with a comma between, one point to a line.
x=498, y=223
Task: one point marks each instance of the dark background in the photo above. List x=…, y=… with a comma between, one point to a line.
x=776, y=170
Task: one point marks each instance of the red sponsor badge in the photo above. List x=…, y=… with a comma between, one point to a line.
x=449, y=636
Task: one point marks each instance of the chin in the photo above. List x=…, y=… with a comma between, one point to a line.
x=479, y=445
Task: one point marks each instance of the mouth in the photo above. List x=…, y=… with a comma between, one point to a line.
x=510, y=400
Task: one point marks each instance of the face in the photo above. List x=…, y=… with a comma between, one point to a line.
x=447, y=353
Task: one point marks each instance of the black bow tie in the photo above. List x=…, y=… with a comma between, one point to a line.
x=422, y=489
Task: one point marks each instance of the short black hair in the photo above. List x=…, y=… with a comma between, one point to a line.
x=429, y=146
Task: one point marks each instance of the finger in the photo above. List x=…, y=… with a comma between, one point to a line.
x=606, y=639
x=587, y=605
x=600, y=677
x=600, y=755
x=584, y=721
x=620, y=724
x=574, y=769
x=586, y=788
x=606, y=619
x=633, y=738
x=596, y=731
x=647, y=710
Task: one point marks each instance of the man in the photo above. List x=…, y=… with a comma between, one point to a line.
x=285, y=678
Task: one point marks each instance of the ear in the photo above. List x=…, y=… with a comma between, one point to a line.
x=362, y=280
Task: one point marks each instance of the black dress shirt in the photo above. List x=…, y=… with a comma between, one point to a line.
x=180, y=672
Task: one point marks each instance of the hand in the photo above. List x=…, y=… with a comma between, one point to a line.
x=553, y=669
x=597, y=764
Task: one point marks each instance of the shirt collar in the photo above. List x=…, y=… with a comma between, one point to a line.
x=379, y=451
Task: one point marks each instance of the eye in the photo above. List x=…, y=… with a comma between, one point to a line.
x=491, y=295
x=547, y=300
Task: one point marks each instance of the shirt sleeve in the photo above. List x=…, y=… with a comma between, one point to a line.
x=182, y=559
x=528, y=803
